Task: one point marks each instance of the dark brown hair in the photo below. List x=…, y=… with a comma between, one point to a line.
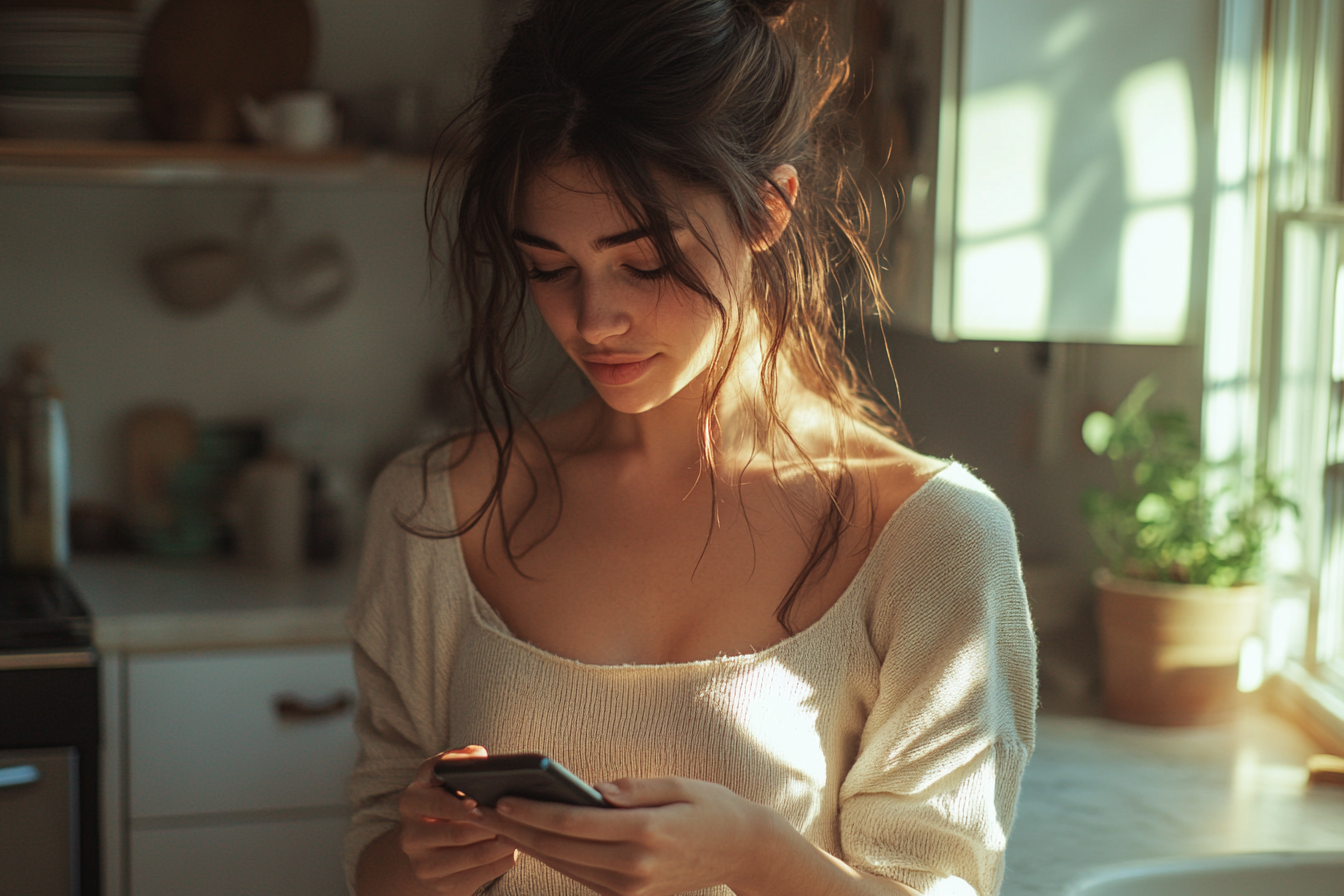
x=715, y=94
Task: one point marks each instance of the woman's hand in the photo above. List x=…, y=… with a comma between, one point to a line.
x=449, y=853
x=667, y=835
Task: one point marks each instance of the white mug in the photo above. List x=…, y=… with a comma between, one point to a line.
x=303, y=120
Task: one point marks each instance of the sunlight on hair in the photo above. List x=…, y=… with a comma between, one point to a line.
x=1003, y=289
x=1155, y=116
x=1153, y=293
x=1004, y=155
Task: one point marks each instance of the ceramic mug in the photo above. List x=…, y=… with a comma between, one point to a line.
x=302, y=120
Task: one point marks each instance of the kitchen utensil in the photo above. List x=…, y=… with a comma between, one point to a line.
x=298, y=280
x=202, y=57
x=302, y=120
x=159, y=439
x=307, y=279
x=270, y=510
x=36, y=466
x=199, y=276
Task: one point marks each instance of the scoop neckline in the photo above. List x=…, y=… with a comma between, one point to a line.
x=833, y=612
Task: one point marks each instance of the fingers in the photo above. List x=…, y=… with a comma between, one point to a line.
x=572, y=845
x=426, y=799
x=482, y=858
x=425, y=774
x=627, y=792
x=579, y=822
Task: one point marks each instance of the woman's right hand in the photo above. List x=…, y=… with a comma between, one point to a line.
x=449, y=854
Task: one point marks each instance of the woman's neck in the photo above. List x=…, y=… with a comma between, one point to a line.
x=668, y=441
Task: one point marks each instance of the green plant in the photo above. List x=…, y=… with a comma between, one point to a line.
x=1174, y=517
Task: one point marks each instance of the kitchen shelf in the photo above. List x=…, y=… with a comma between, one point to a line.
x=148, y=163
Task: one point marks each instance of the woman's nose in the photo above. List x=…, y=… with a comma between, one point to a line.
x=603, y=310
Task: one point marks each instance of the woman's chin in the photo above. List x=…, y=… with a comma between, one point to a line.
x=630, y=401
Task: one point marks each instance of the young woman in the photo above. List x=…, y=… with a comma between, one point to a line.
x=794, y=654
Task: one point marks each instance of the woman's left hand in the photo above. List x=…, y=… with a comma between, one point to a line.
x=667, y=835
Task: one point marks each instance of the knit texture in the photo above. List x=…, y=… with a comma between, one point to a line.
x=893, y=732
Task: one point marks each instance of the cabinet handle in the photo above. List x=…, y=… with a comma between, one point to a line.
x=19, y=774
x=292, y=708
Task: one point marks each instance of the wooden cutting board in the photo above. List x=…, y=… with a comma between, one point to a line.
x=202, y=56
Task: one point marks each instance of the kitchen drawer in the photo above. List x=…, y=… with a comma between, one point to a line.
x=205, y=734
x=38, y=820
x=278, y=858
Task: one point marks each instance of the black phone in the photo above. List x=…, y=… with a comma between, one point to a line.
x=529, y=775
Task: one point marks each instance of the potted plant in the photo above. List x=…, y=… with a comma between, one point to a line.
x=1184, y=542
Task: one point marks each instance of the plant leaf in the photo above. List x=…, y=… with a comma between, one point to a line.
x=1097, y=431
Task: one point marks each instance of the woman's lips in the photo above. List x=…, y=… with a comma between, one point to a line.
x=615, y=372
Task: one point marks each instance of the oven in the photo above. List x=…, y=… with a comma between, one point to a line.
x=49, y=739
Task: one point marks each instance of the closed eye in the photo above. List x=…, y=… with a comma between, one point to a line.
x=654, y=274
x=545, y=276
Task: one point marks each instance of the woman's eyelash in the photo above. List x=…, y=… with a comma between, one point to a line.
x=654, y=274
x=545, y=276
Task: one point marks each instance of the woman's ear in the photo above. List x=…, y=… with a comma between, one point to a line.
x=783, y=179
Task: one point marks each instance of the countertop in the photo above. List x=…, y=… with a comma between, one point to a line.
x=1096, y=792
x=143, y=605
x=1100, y=793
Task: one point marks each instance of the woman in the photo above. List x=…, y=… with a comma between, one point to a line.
x=794, y=653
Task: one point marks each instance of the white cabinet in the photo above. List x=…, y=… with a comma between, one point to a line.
x=235, y=765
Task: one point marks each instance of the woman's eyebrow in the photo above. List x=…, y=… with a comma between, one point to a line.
x=602, y=242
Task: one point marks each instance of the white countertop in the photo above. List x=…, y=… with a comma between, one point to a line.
x=1101, y=793
x=149, y=605
x=1096, y=792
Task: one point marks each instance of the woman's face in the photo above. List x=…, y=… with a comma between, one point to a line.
x=639, y=335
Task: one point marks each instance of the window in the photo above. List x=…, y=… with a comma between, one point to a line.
x=1300, y=419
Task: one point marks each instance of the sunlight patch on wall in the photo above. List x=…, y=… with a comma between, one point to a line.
x=1003, y=289
x=1070, y=32
x=1004, y=153
x=1154, y=286
x=1156, y=120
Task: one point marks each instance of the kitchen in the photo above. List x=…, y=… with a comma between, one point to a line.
x=355, y=385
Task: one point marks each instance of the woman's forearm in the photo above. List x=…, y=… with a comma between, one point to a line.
x=784, y=863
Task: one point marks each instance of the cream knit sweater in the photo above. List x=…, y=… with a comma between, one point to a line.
x=892, y=733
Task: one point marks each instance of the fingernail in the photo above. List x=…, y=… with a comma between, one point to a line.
x=607, y=788
x=476, y=814
x=504, y=808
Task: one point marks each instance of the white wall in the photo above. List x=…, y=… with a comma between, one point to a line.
x=70, y=272
x=70, y=276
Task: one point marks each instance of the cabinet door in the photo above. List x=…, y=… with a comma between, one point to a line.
x=207, y=735
x=282, y=858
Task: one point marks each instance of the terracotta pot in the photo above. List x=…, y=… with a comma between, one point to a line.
x=1170, y=653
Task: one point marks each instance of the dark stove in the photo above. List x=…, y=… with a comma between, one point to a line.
x=49, y=739
x=41, y=611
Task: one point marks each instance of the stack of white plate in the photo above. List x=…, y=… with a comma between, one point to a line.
x=68, y=73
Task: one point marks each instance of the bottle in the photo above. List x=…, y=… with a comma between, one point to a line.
x=36, y=466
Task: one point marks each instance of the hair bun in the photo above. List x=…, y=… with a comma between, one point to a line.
x=771, y=9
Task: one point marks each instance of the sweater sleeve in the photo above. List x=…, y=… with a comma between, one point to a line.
x=400, y=637
x=930, y=798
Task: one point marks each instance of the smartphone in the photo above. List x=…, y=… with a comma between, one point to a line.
x=529, y=775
